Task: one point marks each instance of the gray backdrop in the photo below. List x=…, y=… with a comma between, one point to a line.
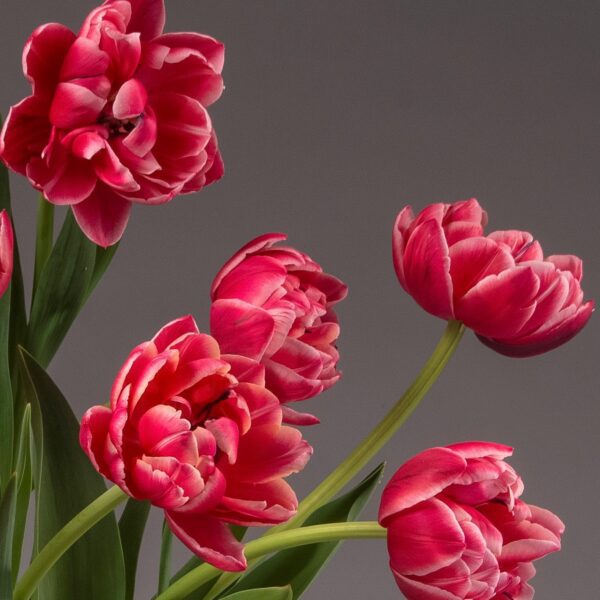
x=335, y=115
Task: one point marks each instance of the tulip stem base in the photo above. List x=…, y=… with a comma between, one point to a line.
x=44, y=239
x=65, y=538
x=267, y=545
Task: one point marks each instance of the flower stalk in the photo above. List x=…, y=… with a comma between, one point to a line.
x=65, y=538
x=314, y=534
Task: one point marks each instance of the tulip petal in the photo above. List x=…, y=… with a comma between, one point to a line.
x=103, y=216
x=424, y=539
x=208, y=538
x=241, y=328
x=148, y=17
x=427, y=269
x=6, y=251
x=419, y=479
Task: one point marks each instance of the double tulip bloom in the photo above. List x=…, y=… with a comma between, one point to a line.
x=197, y=433
x=274, y=305
x=6, y=251
x=519, y=302
x=457, y=529
x=117, y=114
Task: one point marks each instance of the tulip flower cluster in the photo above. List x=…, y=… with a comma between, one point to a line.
x=201, y=425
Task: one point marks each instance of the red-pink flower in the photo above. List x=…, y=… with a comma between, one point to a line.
x=117, y=114
x=457, y=530
x=198, y=434
x=6, y=251
x=274, y=304
x=519, y=302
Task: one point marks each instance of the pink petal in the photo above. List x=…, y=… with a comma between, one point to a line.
x=246, y=369
x=293, y=417
x=44, y=54
x=288, y=385
x=158, y=423
x=84, y=59
x=268, y=452
x=130, y=100
x=148, y=17
x=258, y=504
x=113, y=172
x=74, y=106
x=174, y=331
x=208, y=538
x=212, y=50
x=6, y=251
x=427, y=269
x=500, y=305
x=568, y=262
x=424, y=539
x=481, y=449
x=473, y=259
x=25, y=134
x=227, y=435
x=241, y=328
x=418, y=479
x=103, y=216
x=93, y=434
x=256, y=245
x=419, y=590
x=521, y=244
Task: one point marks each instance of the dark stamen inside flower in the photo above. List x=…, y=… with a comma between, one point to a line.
x=118, y=126
x=205, y=411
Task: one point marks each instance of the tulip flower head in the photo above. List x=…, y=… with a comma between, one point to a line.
x=274, y=304
x=117, y=114
x=196, y=433
x=518, y=302
x=457, y=528
x=6, y=251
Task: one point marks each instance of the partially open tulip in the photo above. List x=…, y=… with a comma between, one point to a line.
x=274, y=304
x=457, y=529
x=519, y=302
x=198, y=434
x=117, y=114
x=6, y=251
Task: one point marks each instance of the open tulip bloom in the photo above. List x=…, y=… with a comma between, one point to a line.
x=201, y=425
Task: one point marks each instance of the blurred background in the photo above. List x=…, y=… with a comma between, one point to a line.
x=335, y=115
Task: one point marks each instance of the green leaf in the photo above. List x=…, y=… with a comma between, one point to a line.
x=7, y=523
x=131, y=527
x=62, y=291
x=272, y=593
x=6, y=395
x=23, y=488
x=298, y=567
x=102, y=261
x=66, y=483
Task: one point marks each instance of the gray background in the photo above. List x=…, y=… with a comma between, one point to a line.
x=335, y=115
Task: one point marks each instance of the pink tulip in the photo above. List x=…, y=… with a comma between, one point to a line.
x=457, y=530
x=274, y=305
x=6, y=251
x=117, y=114
x=501, y=286
x=198, y=434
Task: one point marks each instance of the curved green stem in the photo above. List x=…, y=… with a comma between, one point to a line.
x=43, y=239
x=267, y=545
x=65, y=538
x=371, y=444
x=383, y=432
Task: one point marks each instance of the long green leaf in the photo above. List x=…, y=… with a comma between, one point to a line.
x=131, y=527
x=298, y=567
x=23, y=473
x=272, y=593
x=7, y=523
x=62, y=290
x=6, y=395
x=65, y=483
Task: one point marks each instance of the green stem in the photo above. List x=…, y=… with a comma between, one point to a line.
x=64, y=539
x=371, y=444
x=383, y=432
x=164, y=572
x=44, y=238
x=266, y=545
